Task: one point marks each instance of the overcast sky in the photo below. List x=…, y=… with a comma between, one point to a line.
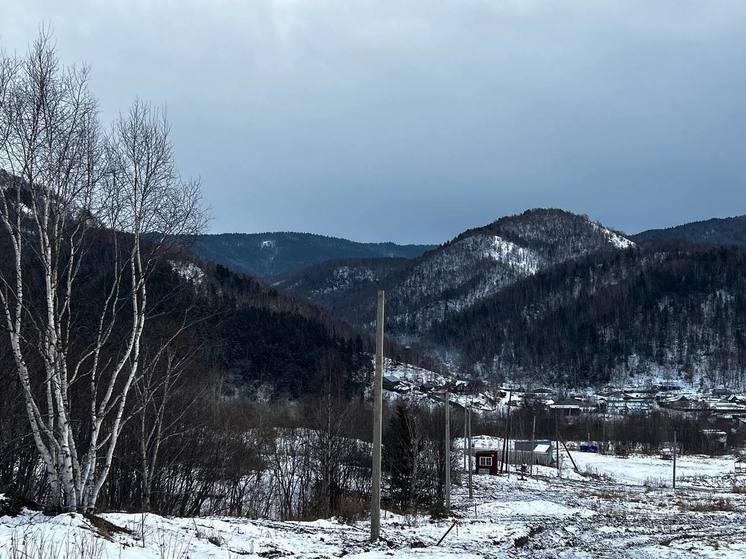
x=411, y=121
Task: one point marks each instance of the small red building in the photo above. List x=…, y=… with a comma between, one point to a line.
x=486, y=462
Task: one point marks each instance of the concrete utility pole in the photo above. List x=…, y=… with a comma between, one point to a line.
x=504, y=460
x=466, y=433
x=557, y=443
x=675, y=451
x=448, y=453
x=375, y=494
x=469, y=449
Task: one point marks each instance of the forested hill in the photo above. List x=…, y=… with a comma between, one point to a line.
x=718, y=231
x=253, y=337
x=261, y=341
x=272, y=254
x=456, y=275
x=657, y=308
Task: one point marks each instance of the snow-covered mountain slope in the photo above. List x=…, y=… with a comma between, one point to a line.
x=340, y=285
x=458, y=274
x=610, y=315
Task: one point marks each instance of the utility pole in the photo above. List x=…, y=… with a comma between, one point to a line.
x=510, y=434
x=675, y=451
x=375, y=495
x=448, y=453
x=505, y=440
x=466, y=434
x=471, y=486
x=556, y=436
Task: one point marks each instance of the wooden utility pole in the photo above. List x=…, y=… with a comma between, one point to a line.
x=448, y=453
x=468, y=435
x=567, y=450
x=675, y=451
x=375, y=494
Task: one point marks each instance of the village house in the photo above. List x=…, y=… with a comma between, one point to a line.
x=390, y=382
x=567, y=407
x=684, y=403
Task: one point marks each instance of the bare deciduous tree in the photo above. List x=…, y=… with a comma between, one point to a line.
x=69, y=183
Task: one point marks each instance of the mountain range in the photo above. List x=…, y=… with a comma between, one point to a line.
x=270, y=254
x=717, y=231
x=460, y=273
x=546, y=295
x=555, y=296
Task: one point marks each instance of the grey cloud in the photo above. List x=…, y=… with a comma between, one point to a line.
x=410, y=121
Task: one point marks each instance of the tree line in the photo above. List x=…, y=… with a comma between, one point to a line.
x=677, y=308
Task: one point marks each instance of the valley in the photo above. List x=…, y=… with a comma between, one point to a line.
x=354, y=280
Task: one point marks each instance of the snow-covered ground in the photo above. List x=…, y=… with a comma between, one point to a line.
x=616, y=513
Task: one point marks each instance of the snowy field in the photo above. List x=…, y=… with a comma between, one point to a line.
x=617, y=508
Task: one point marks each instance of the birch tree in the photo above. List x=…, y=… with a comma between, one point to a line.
x=70, y=183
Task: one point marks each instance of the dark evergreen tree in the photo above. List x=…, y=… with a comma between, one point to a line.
x=403, y=443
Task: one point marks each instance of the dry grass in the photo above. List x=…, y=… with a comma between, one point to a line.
x=593, y=473
x=105, y=528
x=716, y=505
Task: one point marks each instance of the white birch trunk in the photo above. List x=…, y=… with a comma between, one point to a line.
x=64, y=188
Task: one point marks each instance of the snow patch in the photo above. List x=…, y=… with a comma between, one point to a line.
x=188, y=271
x=517, y=257
x=614, y=239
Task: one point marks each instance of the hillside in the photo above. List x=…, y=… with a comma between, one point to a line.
x=340, y=286
x=456, y=275
x=254, y=337
x=718, y=231
x=656, y=309
x=272, y=254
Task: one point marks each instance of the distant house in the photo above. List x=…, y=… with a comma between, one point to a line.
x=683, y=403
x=726, y=407
x=668, y=387
x=716, y=435
x=638, y=405
x=390, y=382
x=566, y=407
x=459, y=387
x=628, y=405
x=616, y=406
x=427, y=387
